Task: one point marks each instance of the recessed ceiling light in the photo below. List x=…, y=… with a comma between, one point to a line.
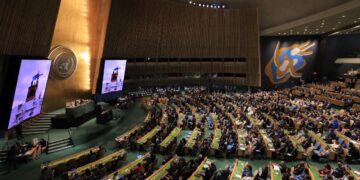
x=355, y=21
x=284, y=33
x=297, y=32
x=343, y=16
x=358, y=17
x=339, y=22
x=305, y=29
x=279, y=33
x=333, y=28
x=317, y=29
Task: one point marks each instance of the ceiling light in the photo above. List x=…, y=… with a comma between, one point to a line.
x=190, y=2
x=343, y=16
x=284, y=33
x=339, y=22
x=305, y=29
x=355, y=21
x=317, y=29
x=297, y=32
x=333, y=28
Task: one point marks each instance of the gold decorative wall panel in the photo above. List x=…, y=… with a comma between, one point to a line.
x=79, y=27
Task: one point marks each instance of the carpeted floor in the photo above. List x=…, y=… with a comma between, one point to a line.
x=104, y=135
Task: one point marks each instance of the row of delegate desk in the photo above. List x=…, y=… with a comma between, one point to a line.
x=236, y=173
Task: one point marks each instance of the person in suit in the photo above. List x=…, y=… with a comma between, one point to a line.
x=18, y=130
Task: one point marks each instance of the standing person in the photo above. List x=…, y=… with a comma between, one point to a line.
x=18, y=130
x=12, y=159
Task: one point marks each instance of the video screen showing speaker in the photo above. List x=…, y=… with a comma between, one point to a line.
x=30, y=90
x=113, y=77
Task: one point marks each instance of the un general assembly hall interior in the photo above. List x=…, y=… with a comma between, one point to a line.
x=180, y=89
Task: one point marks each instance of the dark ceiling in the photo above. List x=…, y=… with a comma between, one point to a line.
x=294, y=17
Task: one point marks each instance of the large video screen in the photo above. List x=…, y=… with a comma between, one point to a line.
x=113, y=77
x=30, y=90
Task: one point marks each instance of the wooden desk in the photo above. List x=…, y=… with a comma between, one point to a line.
x=126, y=135
x=323, y=144
x=268, y=143
x=127, y=168
x=53, y=164
x=216, y=141
x=195, y=174
x=121, y=153
x=317, y=123
x=173, y=134
x=162, y=171
x=254, y=121
x=147, y=118
x=192, y=139
x=241, y=141
x=220, y=106
x=214, y=117
x=314, y=173
x=356, y=107
x=353, y=174
x=149, y=135
x=330, y=100
x=272, y=120
x=300, y=150
x=198, y=117
x=232, y=118
x=347, y=139
x=237, y=170
x=275, y=173
x=181, y=117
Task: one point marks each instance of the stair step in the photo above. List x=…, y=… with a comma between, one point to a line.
x=38, y=132
x=48, y=116
x=59, y=142
x=35, y=129
x=59, y=146
x=41, y=123
x=39, y=126
x=62, y=148
x=43, y=119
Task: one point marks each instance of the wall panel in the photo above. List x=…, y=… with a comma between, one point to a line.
x=166, y=29
x=27, y=26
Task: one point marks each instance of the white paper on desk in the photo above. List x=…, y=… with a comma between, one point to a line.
x=276, y=167
x=238, y=176
x=357, y=173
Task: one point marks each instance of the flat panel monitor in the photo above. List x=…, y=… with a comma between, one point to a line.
x=30, y=90
x=113, y=76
